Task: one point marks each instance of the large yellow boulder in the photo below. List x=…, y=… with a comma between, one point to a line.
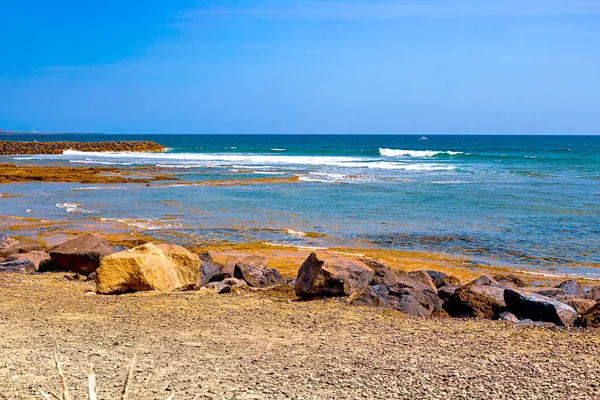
x=148, y=267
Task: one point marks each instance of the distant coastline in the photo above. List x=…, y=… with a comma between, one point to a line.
x=3, y=132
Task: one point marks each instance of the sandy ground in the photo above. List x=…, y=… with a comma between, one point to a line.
x=257, y=345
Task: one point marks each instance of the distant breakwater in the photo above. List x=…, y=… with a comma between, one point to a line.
x=12, y=148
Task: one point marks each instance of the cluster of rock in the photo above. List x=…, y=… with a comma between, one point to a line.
x=364, y=282
x=12, y=147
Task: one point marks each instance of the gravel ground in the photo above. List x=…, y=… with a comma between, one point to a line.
x=255, y=345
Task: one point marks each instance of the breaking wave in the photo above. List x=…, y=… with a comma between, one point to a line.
x=414, y=153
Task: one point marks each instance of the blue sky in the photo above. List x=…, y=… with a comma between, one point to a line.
x=307, y=66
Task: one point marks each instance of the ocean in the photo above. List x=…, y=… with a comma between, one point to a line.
x=528, y=202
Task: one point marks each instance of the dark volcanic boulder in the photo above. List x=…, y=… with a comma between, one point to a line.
x=19, y=248
x=36, y=257
x=417, y=280
x=211, y=270
x=253, y=270
x=446, y=291
x=81, y=254
x=572, y=288
x=551, y=292
x=539, y=308
x=477, y=301
x=591, y=319
x=510, y=279
x=259, y=262
x=448, y=280
x=407, y=300
x=435, y=275
x=440, y=279
x=484, y=280
x=257, y=277
x=594, y=293
x=581, y=306
x=325, y=274
x=19, y=266
x=384, y=275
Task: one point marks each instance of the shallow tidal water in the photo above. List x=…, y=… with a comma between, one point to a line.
x=524, y=201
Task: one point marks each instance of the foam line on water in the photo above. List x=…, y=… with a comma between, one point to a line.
x=414, y=153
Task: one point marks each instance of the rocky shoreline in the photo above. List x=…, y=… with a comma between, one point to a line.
x=360, y=281
x=14, y=148
x=227, y=325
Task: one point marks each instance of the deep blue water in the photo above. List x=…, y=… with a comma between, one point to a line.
x=527, y=201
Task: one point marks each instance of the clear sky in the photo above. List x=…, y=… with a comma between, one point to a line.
x=306, y=66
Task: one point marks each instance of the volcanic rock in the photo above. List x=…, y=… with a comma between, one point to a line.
x=407, y=300
x=81, y=254
x=484, y=280
x=572, y=288
x=417, y=280
x=551, y=292
x=326, y=274
x=19, y=248
x=18, y=266
x=591, y=319
x=580, y=305
x=478, y=301
x=448, y=280
x=594, y=293
x=510, y=279
x=36, y=257
x=259, y=262
x=446, y=291
x=384, y=275
x=539, y=308
x=211, y=270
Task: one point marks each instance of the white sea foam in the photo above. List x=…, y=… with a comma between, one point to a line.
x=72, y=207
x=414, y=153
x=141, y=223
x=547, y=274
x=223, y=158
x=301, y=248
x=296, y=233
x=276, y=149
x=269, y=172
x=99, y=162
x=69, y=207
x=103, y=188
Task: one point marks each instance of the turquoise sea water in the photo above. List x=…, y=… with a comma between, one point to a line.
x=525, y=201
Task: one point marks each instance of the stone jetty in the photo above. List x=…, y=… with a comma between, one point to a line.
x=10, y=147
